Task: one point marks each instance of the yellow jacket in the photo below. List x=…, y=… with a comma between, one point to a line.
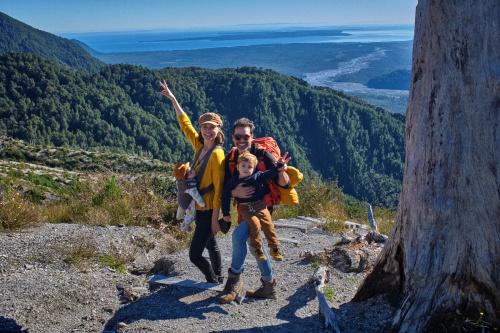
x=214, y=172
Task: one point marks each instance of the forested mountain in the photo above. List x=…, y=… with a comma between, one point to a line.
x=328, y=132
x=17, y=36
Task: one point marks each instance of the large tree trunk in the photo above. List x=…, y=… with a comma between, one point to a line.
x=444, y=254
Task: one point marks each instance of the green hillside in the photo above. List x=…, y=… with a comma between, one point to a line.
x=17, y=36
x=120, y=107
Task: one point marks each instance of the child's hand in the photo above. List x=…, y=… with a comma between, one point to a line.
x=281, y=164
x=227, y=218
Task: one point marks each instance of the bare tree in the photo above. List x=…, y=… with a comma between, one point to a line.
x=444, y=254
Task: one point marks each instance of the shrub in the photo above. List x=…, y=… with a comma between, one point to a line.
x=35, y=195
x=113, y=262
x=329, y=293
x=66, y=211
x=110, y=191
x=80, y=255
x=16, y=212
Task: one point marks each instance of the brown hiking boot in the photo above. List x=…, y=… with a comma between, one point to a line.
x=276, y=253
x=259, y=253
x=266, y=290
x=233, y=290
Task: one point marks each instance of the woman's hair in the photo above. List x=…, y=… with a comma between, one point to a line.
x=244, y=122
x=248, y=157
x=219, y=139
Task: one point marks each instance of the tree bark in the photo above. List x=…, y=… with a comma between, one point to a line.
x=443, y=256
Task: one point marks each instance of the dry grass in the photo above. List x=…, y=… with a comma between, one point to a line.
x=16, y=212
x=81, y=255
x=85, y=253
x=318, y=199
x=114, y=201
x=103, y=199
x=385, y=218
x=326, y=200
x=147, y=200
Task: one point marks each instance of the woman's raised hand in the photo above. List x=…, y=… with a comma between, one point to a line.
x=165, y=90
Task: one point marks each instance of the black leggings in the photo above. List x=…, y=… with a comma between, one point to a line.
x=202, y=239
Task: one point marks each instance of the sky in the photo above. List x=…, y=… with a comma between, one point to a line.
x=64, y=16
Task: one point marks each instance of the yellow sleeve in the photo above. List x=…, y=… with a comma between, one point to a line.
x=217, y=170
x=189, y=131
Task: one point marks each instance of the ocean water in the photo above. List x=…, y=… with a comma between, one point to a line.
x=140, y=41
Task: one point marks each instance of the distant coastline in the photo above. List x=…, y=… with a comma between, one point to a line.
x=152, y=41
x=257, y=35
x=370, y=62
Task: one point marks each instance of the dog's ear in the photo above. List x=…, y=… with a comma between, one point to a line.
x=179, y=171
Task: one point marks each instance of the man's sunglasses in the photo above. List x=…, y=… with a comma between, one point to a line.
x=239, y=137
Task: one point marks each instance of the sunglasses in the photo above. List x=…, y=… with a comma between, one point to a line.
x=238, y=137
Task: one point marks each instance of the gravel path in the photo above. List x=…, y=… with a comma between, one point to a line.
x=41, y=292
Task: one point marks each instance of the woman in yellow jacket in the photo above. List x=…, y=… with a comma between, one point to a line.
x=207, y=144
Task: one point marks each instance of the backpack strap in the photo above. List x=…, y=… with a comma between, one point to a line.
x=203, y=166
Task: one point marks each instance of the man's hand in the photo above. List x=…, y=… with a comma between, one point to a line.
x=242, y=192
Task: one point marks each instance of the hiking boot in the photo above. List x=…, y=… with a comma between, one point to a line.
x=259, y=253
x=276, y=253
x=233, y=290
x=266, y=290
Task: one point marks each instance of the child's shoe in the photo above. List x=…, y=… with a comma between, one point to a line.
x=180, y=213
x=276, y=253
x=259, y=254
x=186, y=226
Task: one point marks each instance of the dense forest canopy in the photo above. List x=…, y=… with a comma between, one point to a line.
x=327, y=132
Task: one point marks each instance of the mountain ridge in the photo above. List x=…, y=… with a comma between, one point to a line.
x=328, y=133
x=17, y=36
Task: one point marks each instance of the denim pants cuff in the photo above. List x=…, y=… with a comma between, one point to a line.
x=237, y=271
x=267, y=278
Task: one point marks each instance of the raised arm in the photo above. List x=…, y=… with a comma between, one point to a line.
x=165, y=91
x=183, y=119
x=276, y=169
x=283, y=178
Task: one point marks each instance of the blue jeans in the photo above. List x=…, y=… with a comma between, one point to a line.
x=240, y=249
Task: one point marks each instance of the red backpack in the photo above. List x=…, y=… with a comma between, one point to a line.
x=269, y=145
